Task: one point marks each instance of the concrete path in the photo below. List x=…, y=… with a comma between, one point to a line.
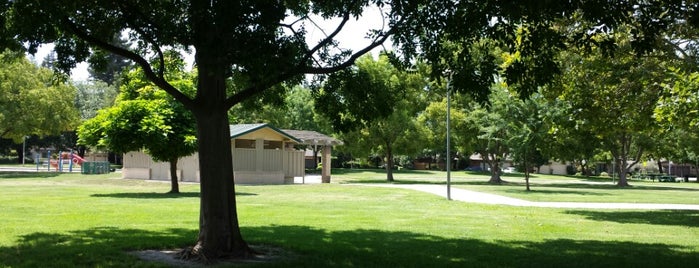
x=485, y=198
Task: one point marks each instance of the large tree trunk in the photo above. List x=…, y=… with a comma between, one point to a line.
x=495, y=173
x=622, y=169
x=20, y=153
x=494, y=169
x=526, y=171
x=174, y=184
x=389, y=165
x=219, y=230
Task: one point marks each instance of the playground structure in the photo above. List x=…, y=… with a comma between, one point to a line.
x=66, y=161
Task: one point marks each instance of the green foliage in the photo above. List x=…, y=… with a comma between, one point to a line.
x=530, y=137
x=679, y=106
x=495, y=128
x=144, y=116
x=92, y=96
x=295, y=112
x=105, y=66
x=395, y=133
x=613, y=98
x=31, y=101
x=356, y=96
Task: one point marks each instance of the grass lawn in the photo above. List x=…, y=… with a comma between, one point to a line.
x=544, y=188
x=68, y=220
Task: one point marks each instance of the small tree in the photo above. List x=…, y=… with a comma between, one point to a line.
x=494, y=130
x=147, y=117
x=529, y=131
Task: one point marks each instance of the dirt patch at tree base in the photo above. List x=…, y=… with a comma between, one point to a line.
x=169, y=257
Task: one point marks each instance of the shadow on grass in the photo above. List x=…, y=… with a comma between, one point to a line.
x=311, y=247
x=437, y=182
x=27, y=175
x=534, y=184
x=98, y=247
x=158, y=195
x=688, y=218
x=615, y=187
x=343, y=171
x=543, y=190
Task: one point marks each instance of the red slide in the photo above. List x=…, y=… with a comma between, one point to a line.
x=78, y=160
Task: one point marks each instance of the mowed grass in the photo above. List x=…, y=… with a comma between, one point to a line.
x=543, y=188
x=69, y=220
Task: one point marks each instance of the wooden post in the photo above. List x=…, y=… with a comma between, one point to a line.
x=325, y=173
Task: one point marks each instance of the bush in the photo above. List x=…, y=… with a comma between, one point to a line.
x=404, y=161
x=570, y=170
x=604, y=174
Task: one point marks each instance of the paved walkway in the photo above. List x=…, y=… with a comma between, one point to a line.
x=485, y=198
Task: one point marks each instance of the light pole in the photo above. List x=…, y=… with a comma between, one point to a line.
x=448, y=137
x=24, y=148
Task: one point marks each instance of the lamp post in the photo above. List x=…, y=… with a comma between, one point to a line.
x=24, y=148
x=448, y=137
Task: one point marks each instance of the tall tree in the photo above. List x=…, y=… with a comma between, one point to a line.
x=529, y=134
x=380, y=129
x=614, y=97
x=241, y=49
x=295, y=112
x=433, y=120
x=676, y=113
x=105, y=66
x=494, y=124
x=570, y=139
x=32, y=102
x=92, y=96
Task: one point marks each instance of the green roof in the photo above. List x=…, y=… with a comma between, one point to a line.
x=242, y=129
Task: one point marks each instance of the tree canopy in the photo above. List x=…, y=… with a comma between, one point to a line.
x=242, y=49
x=145, y=117
x=369, y=123
x=31, y=101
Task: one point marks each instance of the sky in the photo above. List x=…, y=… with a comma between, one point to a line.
x=351, y=37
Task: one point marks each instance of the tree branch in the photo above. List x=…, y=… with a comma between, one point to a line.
x=145, y=65
x=328, y=39
x=5, y=132
x=158, y=51
x=301, y=67
x=326, y=70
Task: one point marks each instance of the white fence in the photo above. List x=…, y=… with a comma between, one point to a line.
x=247, y=163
